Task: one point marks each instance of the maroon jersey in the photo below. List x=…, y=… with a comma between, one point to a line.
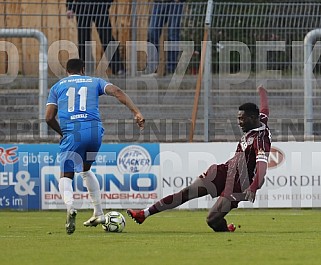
x=254, y=146
x=247, y=168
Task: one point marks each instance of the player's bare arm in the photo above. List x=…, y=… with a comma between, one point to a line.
x=123, y=98
x=51, y=112
x=261, y=168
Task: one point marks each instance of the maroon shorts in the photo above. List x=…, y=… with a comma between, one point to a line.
x=217, y=183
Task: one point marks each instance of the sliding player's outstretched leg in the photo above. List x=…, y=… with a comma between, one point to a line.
x=195, y=190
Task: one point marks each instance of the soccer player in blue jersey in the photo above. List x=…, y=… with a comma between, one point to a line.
x=74, y=100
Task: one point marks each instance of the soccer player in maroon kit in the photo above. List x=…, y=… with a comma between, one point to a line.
x=236, y=180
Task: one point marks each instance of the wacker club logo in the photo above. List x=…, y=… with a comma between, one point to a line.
x=134, y=159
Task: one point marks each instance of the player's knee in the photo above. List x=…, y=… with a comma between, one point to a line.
x=216, y=222
x=212, y=220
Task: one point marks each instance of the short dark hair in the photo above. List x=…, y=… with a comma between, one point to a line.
x=75, y=66
x=250, y=109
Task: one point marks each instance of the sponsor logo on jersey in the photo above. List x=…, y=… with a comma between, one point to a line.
x=250, y=141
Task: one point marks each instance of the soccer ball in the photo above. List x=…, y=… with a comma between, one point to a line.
x=115, y=222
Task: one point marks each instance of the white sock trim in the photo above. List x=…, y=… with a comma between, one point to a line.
x=146, y=212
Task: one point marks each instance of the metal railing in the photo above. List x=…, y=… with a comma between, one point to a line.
x=250, y=44
x=43, y=69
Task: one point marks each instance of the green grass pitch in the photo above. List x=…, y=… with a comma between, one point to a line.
x=284, y=236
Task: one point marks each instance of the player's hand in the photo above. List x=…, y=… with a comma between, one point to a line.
x=260, y=88
x=249, y=195
x=140, y=121
x=70, y=14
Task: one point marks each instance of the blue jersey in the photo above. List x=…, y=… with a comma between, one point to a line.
x=77, y=99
